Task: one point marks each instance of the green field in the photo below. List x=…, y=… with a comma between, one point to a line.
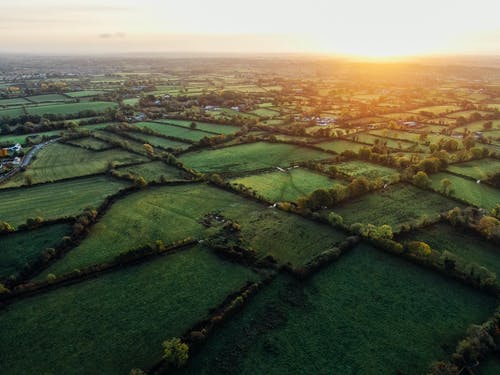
x=59, y=161
x=155, y=141
x=477, y=169
x=52, y=201
x=174, y=213
x=108, y=136
x=265, y=112
x=249, y=157
x=11, y=113
x=286, y=186
x=175, y=131
x=340, y=146
x=358, y=168
x=438, y=109
x=48, y=98
x=22, y=139
x=405, y=136
x=70, y=109
x=118, y=321
x=13, y=102
x=205, y=126
x=480, y=195
x=153, y=171
x=368, y=313
x=92, y=143
x=84, y=93
x=395, y=205
x=20, y=249
x=490, y=366
x=372, y=140
x=466, y=245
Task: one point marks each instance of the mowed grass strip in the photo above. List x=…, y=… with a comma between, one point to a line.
x=394, y=205
x=58, y=161
x=20, y=249
x=340, y=146
x=175, y=131
x=119, y=320
x=357, y=168
x=344, y=318
x=159, y=141
x=89, y=142
x=205, y=126
x=471, y=248
x=52, y=201
x=480, y=195
x=249, y=157
x=172, y=213
x=286, y=186
x=70, y=108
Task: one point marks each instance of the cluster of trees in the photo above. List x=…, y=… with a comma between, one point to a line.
x=473, y=218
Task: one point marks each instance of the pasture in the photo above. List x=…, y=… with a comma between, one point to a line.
x=340, y=146
x=341, y=320
x=89, y=142
x=394, y=205
x=56, y=200
x=119, y=320
x=357, y=168
x=173, y=213
x=84, y=93
x=192, y=135
x=249, y=157
x=152, y=171
x=160, y=142
x=204, y=126
x=477, y=169
x=20, y=249
x=70, y=108
x=480, y=195
x=59, y=161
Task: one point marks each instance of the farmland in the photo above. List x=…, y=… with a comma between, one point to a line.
x=286, y=186
x=249, y=157
x=477, y=169
x=368, y=170
x=175, y=131
x=52, y=201
x=370, y=311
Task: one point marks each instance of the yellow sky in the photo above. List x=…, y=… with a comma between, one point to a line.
x=369, y=28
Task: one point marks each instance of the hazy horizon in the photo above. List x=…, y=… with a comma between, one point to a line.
x=358, y=28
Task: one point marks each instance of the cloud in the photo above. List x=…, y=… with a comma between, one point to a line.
x=112, y=35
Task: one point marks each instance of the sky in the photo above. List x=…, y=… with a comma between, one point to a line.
x=369, y=28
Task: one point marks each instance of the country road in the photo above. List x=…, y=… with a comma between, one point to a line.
x=27, y=159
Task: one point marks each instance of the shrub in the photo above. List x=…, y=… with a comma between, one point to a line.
x=175, y=352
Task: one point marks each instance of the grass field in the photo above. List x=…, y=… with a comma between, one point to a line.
x=248, y=157
x=52, y=201
x=395, y=205
x=265, y=112
x=358, y=168
x=22, y=139
x=58, y=161
x=466, y=245
x=372, y=139
x=18, y=250
x=119, y=320
x=70, y=109
x=153, y=171
x=13, y=102
x=11, y=113
x=477, y=126
x=490, y=366
x=159, y=141
x=480, y=195
x=340, y=322
x=340, y=146
x=286, y=186
x=107, y=136
x=405, y=136
x=438, y=109
x=89, y=142
x=477, y=169
x=48, y=98
x=84, y=93
x=174, y=213
x=175, y=131
x=205, y=126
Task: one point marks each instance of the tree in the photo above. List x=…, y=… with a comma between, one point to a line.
x=419, y=247
x=359, y=186
x=149, y=149
x=488, y=226
x=6, y=227
x=193, y=125
x=446, y=186
x=175, y=352
x=488, y=125
x=421, y=180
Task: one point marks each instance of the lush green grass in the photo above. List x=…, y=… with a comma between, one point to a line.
x=159, y=141
x=340, y=146
x=438, y=109
x=153, y=171
x=466, y=245
x=11, y=113
x=265, y=112
x=477, y=126
x=22, y=139
x=372, y=139
x=478, y=169
x=405, y=136
x=174, y=213
x=480, y=195
x=358, y=168
x=52, y=201
x=70, y=109
x=248, y=157
x=136, y=146
x=118, y=321
x=395, y=205
x=490, y=366
x=369, y=313
x=215, y=128
x=286, y=186
x=19, y=249
x=89, y=142
x=48, y=98
x=13, y=102
x=84, y=93
x=58, y=161
x=175, y=131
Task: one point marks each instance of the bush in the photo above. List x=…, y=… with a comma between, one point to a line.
x=175, y=352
